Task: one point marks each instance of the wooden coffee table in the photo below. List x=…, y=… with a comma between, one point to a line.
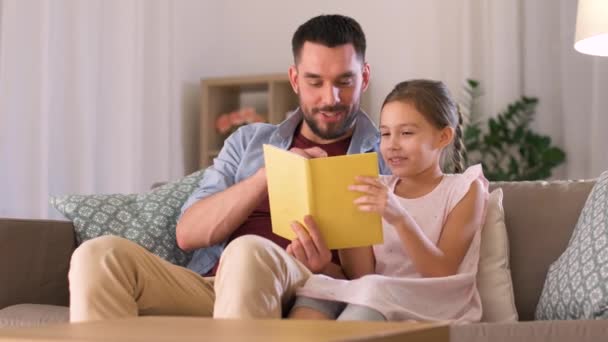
x=184, y=329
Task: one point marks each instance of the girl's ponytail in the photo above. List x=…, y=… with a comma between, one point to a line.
x=459, y=148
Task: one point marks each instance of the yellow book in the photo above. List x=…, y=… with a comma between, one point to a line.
x=298, y=186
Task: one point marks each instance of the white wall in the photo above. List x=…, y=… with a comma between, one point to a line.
x=514, y=47
x=406, y=39
x=109, y=90
x=255, y=37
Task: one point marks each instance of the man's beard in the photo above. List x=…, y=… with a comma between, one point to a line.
x=336, y=130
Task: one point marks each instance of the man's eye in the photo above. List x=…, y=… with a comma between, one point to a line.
x=315, y=84
x=345, y=82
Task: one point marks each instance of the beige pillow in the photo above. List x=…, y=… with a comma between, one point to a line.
x=494, y=274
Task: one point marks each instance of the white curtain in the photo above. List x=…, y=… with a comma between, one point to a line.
x=85, y=100
x=572, y=87
x=523, y=47
x=101, y=96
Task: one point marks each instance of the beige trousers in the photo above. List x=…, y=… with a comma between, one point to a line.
x=111, y=277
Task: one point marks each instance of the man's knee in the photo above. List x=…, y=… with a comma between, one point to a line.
x=250, y=243
x=256, y=278
x=94, y=249
x=252, y=249
x=90, y=259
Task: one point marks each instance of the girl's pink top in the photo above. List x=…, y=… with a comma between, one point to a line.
x=397, y=290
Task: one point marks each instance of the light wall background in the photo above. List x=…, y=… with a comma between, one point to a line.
x=102, y=96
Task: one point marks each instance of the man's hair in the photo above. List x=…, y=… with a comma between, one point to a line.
x=329, y=30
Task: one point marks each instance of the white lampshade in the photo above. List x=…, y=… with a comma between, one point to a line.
x=592, y=27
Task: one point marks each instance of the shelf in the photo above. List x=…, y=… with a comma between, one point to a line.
x=269, y=94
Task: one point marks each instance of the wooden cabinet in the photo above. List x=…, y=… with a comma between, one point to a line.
x=270, y=95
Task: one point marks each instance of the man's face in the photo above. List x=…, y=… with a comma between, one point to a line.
x=329, y=83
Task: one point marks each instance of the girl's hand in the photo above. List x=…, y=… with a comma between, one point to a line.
x=378, y=198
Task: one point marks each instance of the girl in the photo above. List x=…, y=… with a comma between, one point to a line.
x=426, y=267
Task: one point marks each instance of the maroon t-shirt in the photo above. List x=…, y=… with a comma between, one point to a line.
x=258, y=222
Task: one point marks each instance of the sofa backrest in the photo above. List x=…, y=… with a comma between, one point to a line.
x=540, y=217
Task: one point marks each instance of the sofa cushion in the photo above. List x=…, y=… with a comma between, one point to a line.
x=26, y=315
x=576, y=286
x=494, y=275
x=148, y=219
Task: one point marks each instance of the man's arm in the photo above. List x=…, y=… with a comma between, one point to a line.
x=213, y=219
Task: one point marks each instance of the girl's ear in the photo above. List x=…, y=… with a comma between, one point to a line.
x=446, y=135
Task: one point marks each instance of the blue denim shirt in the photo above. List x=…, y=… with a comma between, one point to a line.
x=242, y=156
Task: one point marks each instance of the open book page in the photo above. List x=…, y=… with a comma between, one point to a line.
x=288, y=176
x=341, y=223
x=298, y=186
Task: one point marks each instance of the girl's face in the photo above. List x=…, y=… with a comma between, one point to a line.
x=409, y=143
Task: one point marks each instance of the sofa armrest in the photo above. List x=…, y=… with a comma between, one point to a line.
x=34, y=262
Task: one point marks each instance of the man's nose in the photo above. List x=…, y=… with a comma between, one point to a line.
x=331, y=95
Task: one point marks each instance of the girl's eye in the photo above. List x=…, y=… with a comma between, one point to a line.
x=384, y=134
x=407, y=133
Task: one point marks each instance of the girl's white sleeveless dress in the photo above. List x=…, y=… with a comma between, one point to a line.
x=397, y=290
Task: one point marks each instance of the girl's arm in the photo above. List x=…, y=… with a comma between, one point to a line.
x=443, y=259
x=357, y=262
x=430, y=260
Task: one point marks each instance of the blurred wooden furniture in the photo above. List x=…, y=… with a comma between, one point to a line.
x=271, y=96
x=184, y=329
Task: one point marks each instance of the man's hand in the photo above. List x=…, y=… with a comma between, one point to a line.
x=312, y=152
x=309, y=247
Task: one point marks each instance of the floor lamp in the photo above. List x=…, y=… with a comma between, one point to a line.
x=592, y=27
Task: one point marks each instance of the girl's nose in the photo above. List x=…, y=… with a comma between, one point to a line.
x=394, y=141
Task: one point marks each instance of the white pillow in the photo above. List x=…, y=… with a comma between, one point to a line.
x=494, y=274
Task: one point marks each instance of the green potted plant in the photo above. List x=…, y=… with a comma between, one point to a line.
x=505, y=145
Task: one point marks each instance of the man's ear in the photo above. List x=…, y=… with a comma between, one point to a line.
x=366, y=73
x=293, y=78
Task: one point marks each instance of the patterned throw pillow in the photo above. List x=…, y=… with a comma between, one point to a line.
x=576, y=286
x=147, y=219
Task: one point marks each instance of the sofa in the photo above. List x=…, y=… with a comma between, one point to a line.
x=539, y=216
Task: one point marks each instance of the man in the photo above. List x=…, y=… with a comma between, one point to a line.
x=112, y=277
